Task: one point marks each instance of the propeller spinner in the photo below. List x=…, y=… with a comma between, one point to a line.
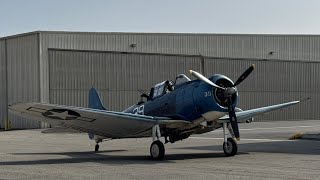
x=228, y=92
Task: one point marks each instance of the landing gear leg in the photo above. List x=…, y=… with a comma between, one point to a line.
x=157, y=149
x=166, y=139
x=96, y=148
x=230, y=147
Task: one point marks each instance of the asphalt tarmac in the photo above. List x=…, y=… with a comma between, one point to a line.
x=264, y=153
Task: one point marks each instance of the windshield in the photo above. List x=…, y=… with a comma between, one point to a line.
x=181, y=78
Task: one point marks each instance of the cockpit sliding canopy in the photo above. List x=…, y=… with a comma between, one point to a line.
x=165, y=87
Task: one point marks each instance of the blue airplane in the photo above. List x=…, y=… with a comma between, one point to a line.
x=173, y=110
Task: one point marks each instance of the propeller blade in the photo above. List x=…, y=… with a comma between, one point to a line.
x=233, y=119
x=244, y=75
x=204, y=79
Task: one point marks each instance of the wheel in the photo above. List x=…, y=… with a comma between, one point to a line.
x=157, y=150
x=96, y=148
x=230, y=148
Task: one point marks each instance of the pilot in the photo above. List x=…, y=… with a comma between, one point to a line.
x=170, y=86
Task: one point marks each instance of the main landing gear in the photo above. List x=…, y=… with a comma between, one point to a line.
x=157, y=149
x=230, y=147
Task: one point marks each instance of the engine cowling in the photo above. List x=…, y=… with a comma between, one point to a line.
x=218, y=94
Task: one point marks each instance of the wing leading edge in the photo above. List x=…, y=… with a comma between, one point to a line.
x=109, y=124
x=247, y=114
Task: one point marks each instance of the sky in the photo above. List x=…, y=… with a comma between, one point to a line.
x=164, y=16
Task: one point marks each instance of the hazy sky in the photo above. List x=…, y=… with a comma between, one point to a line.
x=197, y=16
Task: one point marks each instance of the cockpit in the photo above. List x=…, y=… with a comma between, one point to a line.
x=165, y=87
x=161, y=89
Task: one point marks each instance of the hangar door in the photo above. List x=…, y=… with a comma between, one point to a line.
x=273, y=82
x=116, y=76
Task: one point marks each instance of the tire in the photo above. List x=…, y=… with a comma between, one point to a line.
x=157, y=150
x=231, y=148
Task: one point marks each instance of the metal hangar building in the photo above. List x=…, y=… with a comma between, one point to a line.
x=61, y=67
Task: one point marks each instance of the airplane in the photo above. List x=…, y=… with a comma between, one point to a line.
x=173, y=110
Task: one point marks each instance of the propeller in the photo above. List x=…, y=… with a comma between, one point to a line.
x=244, y=75
x=228, y=92
x=206, y=80
x=233, y=119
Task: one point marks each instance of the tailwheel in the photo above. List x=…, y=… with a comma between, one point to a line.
x=96, y=148
x=157, y=150
x=230, y=148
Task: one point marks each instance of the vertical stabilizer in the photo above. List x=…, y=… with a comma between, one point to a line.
x=94, y=100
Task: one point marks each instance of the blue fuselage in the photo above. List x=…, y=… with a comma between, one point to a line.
x=188, y=101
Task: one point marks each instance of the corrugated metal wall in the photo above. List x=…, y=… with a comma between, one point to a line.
x=117, y=77
x=3, y=86
x=23, y=75
x=274, y=82
x=293, y=62
x=283, y=47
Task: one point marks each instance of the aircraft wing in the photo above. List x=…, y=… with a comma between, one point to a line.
x=247, y=114
x=109, y=124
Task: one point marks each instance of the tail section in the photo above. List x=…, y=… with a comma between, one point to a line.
x=94, y=100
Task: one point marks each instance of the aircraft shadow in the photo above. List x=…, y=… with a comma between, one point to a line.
x=103, y=158
x=306, y=147
x=289, y=147
x=72, y=154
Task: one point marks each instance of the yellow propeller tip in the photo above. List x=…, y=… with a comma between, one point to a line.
x=190, y=71
x=238, y=139
x=253, y=65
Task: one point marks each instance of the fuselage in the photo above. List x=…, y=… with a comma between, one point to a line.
x=188, y=101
